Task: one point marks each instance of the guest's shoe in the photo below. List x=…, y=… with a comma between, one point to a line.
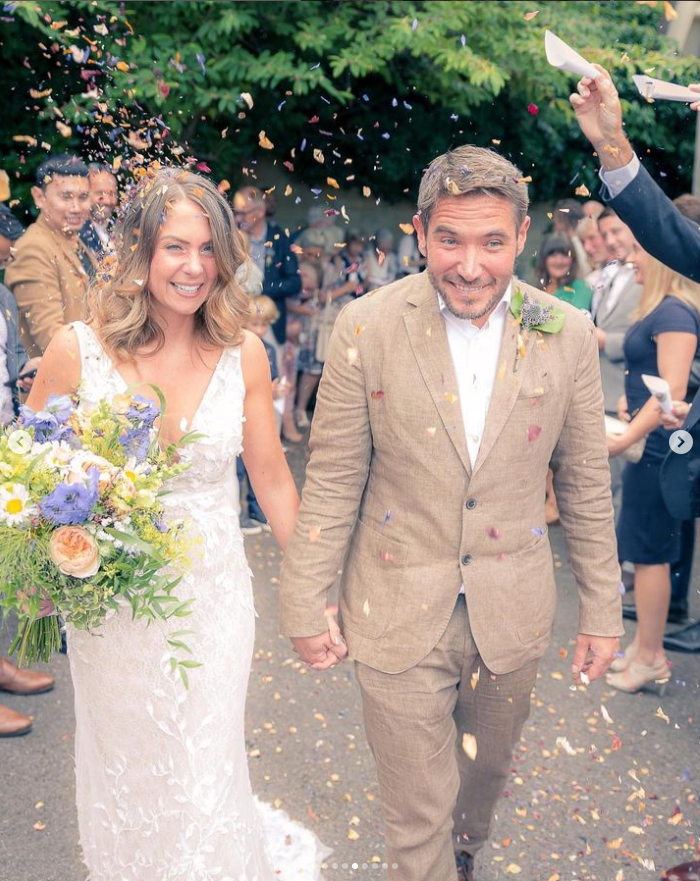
x=250, y=526
x=637, y=676
x=685, y=640
x=302, y=418
x=13, y=724
x=20, y=681
x=620, y=664
x=684, y=872
x=678, y=615
x=290, y=433
x=465, y=866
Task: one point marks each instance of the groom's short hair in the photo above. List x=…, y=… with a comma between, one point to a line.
x=471, y=169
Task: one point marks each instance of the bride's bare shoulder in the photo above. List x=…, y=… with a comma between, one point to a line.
x=59, y=371
x=254, y=360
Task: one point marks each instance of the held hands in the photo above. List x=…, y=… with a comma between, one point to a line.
x=325, y=650
x=592, y=657
x=680, y=411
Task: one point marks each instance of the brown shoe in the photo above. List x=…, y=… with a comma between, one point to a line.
x=685, y=872
x=13, y=724
x=18, y=681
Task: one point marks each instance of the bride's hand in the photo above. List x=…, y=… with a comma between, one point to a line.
x=340, y=646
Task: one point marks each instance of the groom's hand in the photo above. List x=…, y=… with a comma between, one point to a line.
x=593, y=656
x=322, y=651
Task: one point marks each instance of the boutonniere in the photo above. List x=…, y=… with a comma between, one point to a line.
x=533, y=315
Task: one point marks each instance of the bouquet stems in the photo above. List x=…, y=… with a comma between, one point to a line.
x=37, y=639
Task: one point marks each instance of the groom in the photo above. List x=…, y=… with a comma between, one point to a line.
x=438, y=416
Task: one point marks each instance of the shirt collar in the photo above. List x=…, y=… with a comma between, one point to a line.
x=500, y=309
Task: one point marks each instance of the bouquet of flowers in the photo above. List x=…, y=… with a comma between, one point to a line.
x=81, y=520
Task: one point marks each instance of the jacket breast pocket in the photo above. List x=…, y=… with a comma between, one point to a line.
x=372, y=579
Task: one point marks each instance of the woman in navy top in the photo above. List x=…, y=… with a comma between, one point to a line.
x=662, y=341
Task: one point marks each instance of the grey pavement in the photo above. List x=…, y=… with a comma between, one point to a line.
x=605, y=795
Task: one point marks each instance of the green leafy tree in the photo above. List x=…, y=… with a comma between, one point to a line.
x=365, y=94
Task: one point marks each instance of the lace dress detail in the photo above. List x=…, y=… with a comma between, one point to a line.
x=163, y=791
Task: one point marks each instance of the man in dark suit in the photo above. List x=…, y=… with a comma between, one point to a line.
x=270, y=251
x=96, y=234
x=661, y=229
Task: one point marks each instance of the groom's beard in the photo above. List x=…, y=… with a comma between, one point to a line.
x=467, y=311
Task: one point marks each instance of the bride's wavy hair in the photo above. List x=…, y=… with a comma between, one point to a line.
x=119, y=301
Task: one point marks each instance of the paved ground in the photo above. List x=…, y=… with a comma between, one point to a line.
x=611, y=798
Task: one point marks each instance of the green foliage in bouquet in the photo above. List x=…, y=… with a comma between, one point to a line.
x=82, y=528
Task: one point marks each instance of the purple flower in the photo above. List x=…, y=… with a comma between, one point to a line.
x=135, y=442
x=49, y=423
x=71, y=502
x=144, y=410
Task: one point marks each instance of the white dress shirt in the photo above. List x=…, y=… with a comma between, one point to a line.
x=475, y=352
x=616, y=179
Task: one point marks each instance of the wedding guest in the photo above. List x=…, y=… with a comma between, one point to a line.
x=595, y=248
x=558, y=272
x=593, y=208
x=263, y=314
x=381, y=262
x=96, y=233
x=322, y=220
x=567, y=215
x=681, y=569
x=662, y=341
x=10, y=230
x=557, y=269
x=307, y=309
x=270, y=251
x=614, y=300
x=410, y=259
x=52, y=267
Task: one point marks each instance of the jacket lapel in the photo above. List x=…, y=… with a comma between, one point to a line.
x=604, y=310
x=428, y=337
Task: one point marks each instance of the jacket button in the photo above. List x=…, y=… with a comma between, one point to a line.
x=471, y=504
x=466, y=559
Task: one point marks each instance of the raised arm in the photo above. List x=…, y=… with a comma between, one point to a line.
x=656, y=222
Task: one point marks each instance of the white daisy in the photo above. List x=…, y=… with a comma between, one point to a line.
x=15, y=505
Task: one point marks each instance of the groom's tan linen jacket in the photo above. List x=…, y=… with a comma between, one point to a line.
x=392, y=500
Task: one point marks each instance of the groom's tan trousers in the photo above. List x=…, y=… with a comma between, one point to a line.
x=438, y=798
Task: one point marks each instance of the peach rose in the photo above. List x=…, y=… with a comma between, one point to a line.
x=74, y=551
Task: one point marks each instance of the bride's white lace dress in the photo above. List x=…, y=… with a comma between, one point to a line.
x=162, y=779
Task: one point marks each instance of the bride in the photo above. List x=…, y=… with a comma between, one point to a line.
x=162, y=780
